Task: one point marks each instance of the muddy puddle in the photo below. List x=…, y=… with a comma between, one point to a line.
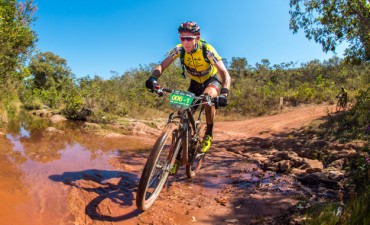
x=40, y=163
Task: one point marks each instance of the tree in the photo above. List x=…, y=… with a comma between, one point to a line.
x=48, y=69
x=16, y=42
x=53, y=83
x=333, y=22
x=238, y=63
x=16, y=36
x=238, y=66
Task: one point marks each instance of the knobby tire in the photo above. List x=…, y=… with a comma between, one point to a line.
x=158, y=165
x=196, y=158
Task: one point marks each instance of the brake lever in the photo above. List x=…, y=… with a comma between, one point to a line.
x=158, y=89
x=207, y=99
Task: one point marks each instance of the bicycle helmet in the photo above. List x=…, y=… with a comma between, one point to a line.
x=189, y=27
x=342, y=87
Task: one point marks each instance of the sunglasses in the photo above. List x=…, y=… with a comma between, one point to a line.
x=188, y=38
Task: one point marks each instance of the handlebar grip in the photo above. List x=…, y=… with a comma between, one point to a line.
x=159, y=90
x=167, y=90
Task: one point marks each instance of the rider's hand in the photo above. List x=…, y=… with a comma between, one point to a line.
x=151, y=82
x=221, y=101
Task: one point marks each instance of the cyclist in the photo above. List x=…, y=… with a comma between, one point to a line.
x=208, y=74
x=343, y=95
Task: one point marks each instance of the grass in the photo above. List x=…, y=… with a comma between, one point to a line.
x=355, y=212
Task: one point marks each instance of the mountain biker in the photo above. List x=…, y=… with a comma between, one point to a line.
x=207, y=72
x=343, y=95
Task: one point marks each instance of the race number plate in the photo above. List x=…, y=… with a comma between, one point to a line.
x=180, y=100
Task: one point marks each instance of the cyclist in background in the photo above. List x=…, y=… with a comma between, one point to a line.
x=208, y=74
x=343, y=96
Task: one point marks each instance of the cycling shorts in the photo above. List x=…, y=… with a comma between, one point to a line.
x=198, y=88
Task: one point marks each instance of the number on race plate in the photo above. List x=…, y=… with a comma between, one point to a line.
x=180, y=100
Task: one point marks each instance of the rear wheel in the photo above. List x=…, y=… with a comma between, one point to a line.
x=196, y=158
x=158, y=166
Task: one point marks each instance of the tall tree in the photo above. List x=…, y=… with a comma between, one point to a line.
x=16, y=42
x=48, y=69
x=331, y=22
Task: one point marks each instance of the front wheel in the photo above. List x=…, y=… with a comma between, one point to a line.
x=337, y=108
x=196, y=158
x=340, y=105
x=158, y=166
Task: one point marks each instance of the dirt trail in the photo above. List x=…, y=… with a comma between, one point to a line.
x=268, y=125
x=74, y=176
x=230, y=189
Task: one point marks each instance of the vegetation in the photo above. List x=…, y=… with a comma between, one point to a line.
x=332, y=22
x=255, y=91
x=16, y=42
x=38, y=80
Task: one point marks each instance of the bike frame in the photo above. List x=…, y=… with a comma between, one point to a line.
x=187, y=124
x=183, y=130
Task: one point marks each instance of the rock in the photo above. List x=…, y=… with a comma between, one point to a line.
x=232, y=221
x=257, y=157
x=222, y=201
x=337, y=164
x=42, y=113
x=318, y=178
x=288, y=155
x=139, y=128
x=311, y=165
x=335, y=175
x=285, y=165
x=57, y=118
x=84, y=113
x=91, y=125
x=54, y=130
x=114, y=135
x=297, y=172
x=266, y=144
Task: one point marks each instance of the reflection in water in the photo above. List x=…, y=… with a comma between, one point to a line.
x=33, y=156
x=17, y=146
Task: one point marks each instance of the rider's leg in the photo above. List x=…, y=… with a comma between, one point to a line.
x=210, y=112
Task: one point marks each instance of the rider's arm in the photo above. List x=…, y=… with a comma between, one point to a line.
x=225, y=76
x=157, y=72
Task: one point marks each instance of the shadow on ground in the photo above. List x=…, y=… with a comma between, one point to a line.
x=96, y=186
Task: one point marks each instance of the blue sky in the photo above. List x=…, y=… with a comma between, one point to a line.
x=97, y=37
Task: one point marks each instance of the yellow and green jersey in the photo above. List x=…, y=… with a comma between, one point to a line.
x=197, y=67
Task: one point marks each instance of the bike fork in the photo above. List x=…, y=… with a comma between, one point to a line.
x=185, y=145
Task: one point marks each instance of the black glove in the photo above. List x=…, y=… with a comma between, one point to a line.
x=151, y=82
x=221, y=101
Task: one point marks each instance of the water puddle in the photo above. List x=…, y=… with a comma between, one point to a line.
x=40, y=166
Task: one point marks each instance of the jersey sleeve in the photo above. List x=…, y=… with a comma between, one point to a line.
x=175, y=52
x=212, y=54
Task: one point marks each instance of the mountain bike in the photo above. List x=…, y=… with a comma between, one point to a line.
x=341, y=103
x=178, y=144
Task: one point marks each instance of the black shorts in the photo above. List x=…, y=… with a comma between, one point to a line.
x=198, y=88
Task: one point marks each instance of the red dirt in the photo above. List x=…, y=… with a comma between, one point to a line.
x=230, y=189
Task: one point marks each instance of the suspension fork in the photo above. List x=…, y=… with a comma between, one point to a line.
x=185, y=141
x=189, y=127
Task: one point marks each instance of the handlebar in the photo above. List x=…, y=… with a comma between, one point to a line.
x=159, y=90
x=206, y=99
